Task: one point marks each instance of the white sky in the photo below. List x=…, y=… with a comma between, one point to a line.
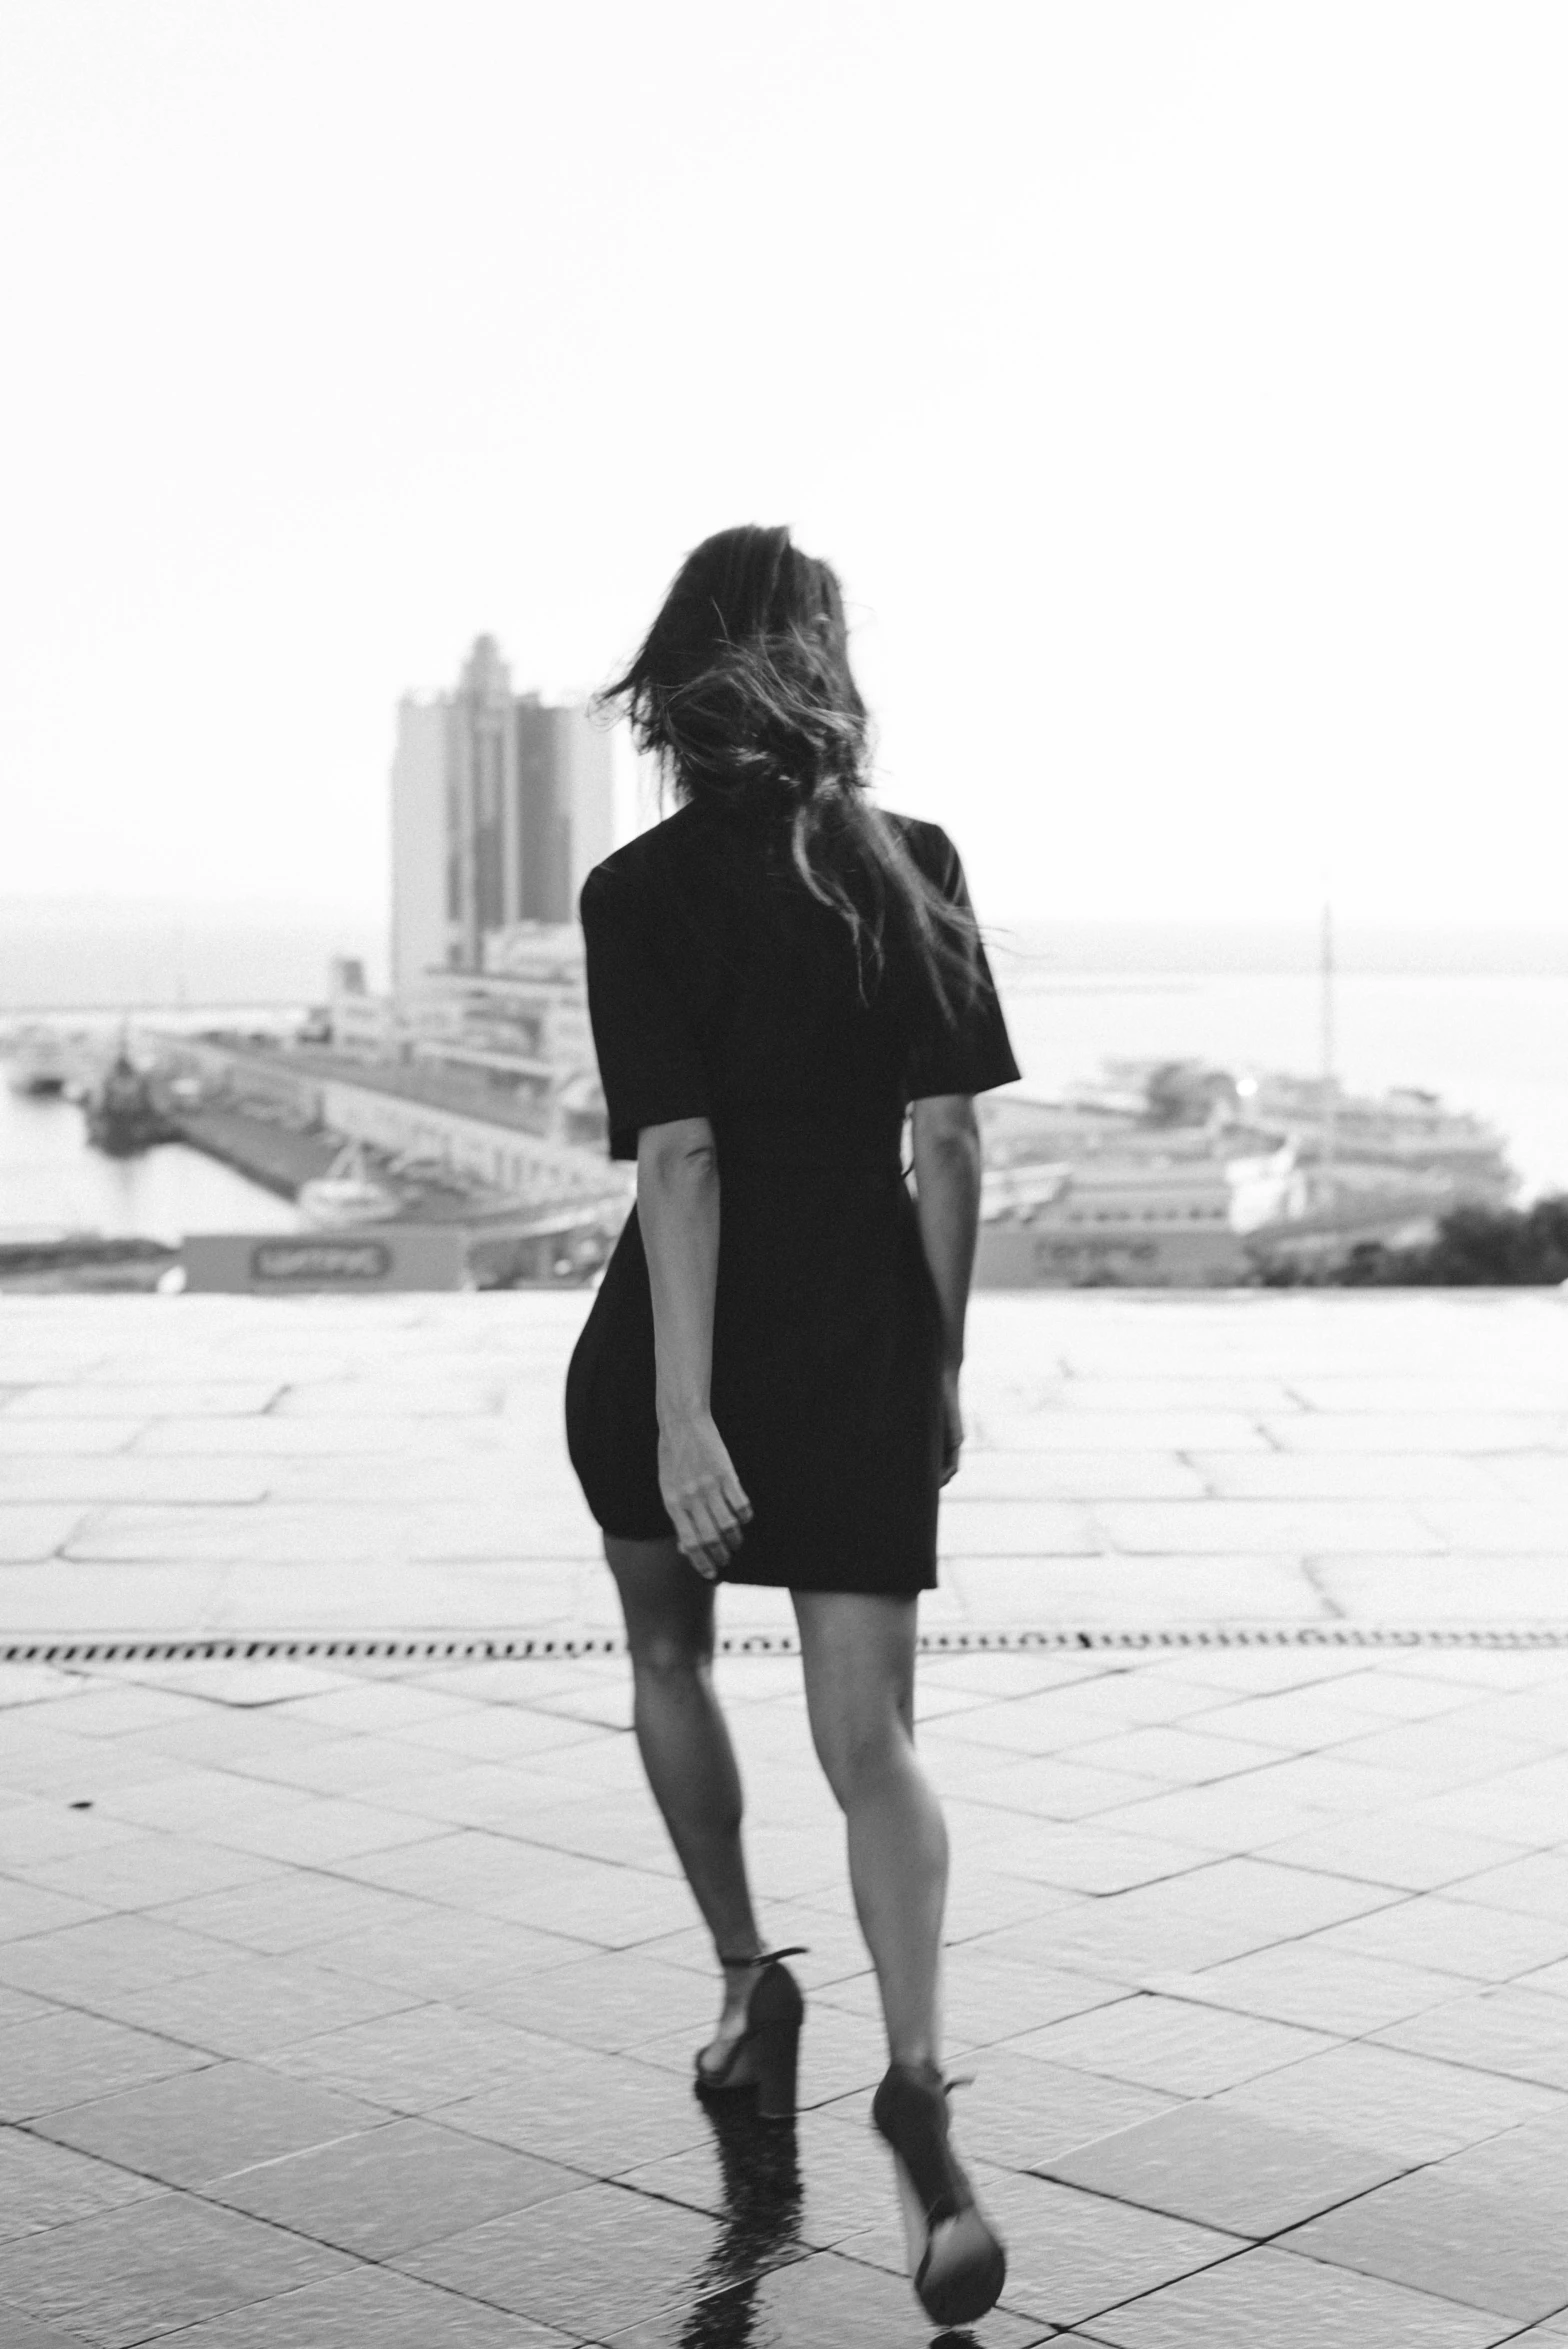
x=1179, y=386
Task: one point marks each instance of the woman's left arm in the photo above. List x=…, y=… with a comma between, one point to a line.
x=678, y=1211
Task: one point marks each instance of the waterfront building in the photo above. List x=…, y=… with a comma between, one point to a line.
x=519, y=1028
x=501, y=804
x=365, y=1027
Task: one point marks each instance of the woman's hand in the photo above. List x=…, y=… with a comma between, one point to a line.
x=702, y=1493
x=952, y=1426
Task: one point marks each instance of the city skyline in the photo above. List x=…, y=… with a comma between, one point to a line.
x=1171, y=383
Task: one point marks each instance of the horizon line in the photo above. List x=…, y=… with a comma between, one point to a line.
x=314, y=909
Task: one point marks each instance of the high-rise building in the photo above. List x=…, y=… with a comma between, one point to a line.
x=501, y=804
x=566, y=798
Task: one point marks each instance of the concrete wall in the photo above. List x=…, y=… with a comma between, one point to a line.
x=1026, y=1256
x=405, y=1256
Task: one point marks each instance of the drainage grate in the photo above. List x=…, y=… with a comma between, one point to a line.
x=479, y=1648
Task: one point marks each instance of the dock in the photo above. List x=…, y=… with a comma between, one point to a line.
x=277, y=1157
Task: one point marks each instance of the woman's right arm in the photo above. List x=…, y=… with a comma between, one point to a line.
x=948, y=1158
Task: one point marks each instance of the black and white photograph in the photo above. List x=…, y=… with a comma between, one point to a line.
x=784, y=1174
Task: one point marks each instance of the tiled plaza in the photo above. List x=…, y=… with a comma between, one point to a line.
x=351, y=1999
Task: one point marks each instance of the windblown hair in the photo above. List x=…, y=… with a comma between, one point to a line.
x=743, y=693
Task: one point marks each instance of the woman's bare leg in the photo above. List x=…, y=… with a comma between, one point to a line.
x=685, y=1746
x=859, y=1656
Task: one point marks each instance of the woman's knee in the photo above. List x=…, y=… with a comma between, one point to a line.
x=668, y=1609
x=859, y=1660
x=858, y=1757
x=667, y=1653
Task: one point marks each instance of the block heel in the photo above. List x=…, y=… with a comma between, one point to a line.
x=778, y=2064
x=766, y=2056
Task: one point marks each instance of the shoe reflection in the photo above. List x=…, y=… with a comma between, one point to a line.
x=759, y=2225
x=760, y=2221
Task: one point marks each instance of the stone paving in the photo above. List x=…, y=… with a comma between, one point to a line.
x=349, y=2000
x=186, y=1465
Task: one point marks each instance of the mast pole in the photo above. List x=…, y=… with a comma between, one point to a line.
x=1326, y=1031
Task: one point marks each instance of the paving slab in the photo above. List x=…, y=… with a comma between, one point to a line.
x=122, y=2276
x=394, y=2188
x=63, y=2059
x=359, y=2306
x=1164, y=2043
x=1504, y=2253
x=20, y=2332
x=206, y=2124
x=1226, y=2169
x=44, y=2185
x=1265, y=2296
x=595, y=2264
x=1407, y=2105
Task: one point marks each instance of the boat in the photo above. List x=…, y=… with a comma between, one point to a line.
x=347, y=1193
x=123, y=1117
x=1185, y=1175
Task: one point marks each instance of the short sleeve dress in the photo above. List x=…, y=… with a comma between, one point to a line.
x=718, y=987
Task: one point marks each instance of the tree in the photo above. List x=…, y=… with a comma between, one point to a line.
x=1474, y=1247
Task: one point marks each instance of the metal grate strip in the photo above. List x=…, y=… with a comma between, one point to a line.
x=482, y=1648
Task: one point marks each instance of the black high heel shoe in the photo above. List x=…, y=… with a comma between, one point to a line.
x=956, y=2263
x=766, y=2055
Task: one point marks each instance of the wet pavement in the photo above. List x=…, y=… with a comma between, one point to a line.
x=352, y=2000
x=353, y=2006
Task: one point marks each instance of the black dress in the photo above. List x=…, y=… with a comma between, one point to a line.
x=719, y=988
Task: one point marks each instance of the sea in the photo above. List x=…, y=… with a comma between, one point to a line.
x=1490, y=1040
x=52, y=1182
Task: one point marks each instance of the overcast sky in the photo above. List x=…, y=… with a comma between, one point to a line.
x=1178, y=385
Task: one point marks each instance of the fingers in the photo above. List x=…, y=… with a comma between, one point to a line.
x=710, y=1526
x=706, y=1502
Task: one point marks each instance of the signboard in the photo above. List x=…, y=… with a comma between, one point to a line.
x=320, y=1260
x=393, y=1256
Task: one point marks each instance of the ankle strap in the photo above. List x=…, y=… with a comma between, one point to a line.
x=934, y=2074
x=768, y=1957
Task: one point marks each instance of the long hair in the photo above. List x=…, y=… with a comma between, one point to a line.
x=742, y=692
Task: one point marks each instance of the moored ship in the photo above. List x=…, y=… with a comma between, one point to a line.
x=1181, y=1174
x=122, y=1113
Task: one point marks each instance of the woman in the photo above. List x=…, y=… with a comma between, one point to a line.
x=774, y=973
